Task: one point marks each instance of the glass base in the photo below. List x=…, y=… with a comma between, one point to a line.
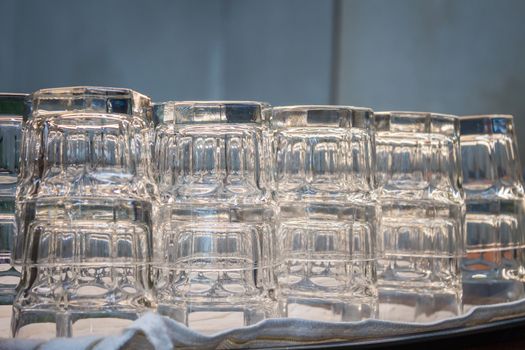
x=210, y=318
x=420, y=307
x=9, y=279
x=489, y=291
x=50, y=323
x=328, y=310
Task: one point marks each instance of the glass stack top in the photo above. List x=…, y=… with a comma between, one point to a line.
x=89, y=99
x=12, y=104
x=486, y=124
x=321, y=115
x=417, y=122
x=490, y=160
x=211, y=112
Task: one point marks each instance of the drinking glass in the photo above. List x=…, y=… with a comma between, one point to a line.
x=327, y=221
x=84, y=207
x=212, y=250
x=494, y=266
x=11, y=110
x=419, y=176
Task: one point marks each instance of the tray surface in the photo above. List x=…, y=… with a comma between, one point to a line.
x=157, y=332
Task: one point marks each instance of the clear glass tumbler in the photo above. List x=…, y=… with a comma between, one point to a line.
x=11, y=110
x=326, y=226
x=422, y=226
x=494, y=266
x=84, y=207
x=214, y=226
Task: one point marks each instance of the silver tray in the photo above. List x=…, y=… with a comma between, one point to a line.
x=153, y=331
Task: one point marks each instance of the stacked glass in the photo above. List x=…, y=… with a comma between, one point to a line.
x=214, y=224
x=84, y=206
x=11, y=110
x=419, y=175
x=326, y=227
x=494, y=266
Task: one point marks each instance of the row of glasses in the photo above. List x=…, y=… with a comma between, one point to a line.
x=235, y=211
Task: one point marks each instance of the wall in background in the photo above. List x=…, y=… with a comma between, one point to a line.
x=452, y=56
x=278, y=51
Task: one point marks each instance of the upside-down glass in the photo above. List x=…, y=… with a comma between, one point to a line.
x=214, y=225
x=84, y=206
x=494, y=266
x=11, y=110
x=419, y=175
x=326, y=225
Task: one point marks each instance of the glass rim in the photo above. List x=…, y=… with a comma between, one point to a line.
x=87, y=90
x=13, y=94
x=211, y=112
x=383, y=122
x=432, y=115
x=306, y=108
x=136, y=104
x=486, y=116
x=321, y=115
x=486, y=124
x=13, y=104
x=70, y=114
x=213, y=102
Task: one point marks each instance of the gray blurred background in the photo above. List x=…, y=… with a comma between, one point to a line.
x=450, y=56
